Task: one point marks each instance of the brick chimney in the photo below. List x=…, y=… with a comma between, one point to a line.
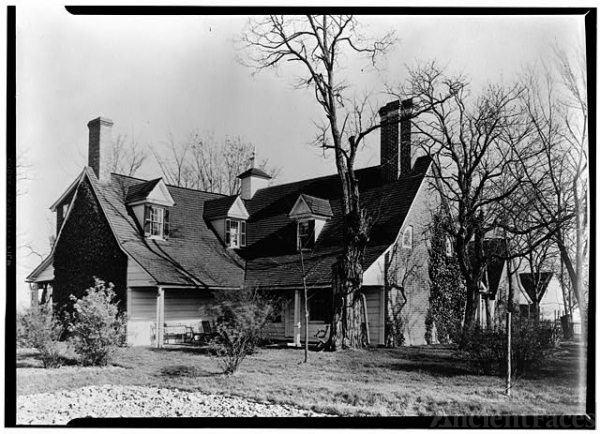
x=394, y=161
x=99, y=143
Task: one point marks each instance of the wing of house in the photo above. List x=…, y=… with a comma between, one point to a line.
x=166, y=248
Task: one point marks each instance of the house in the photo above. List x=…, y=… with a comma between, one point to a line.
x=166, y=248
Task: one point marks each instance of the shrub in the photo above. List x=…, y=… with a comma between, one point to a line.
x=242, y=318
x=531, y=343
x=39, y=328
x=97, y=326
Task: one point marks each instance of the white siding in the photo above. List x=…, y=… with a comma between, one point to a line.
x=136, y=275
x=186, y=306
x=46, y=275
x=142, y=314
x=373, y=296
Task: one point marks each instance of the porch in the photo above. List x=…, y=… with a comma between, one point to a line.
x=160, y=316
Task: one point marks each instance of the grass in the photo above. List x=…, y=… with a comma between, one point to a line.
x=375, y=382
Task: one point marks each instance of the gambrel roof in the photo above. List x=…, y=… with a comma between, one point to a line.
x=194, y=255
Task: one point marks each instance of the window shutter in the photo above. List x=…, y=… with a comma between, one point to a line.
x=147, y=217
x=227, y=232
x=243, y=234
x=166, y=227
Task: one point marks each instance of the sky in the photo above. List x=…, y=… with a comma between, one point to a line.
x=160, y=75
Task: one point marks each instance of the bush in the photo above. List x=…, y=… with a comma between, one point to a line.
x=97, y=326
x=242, y=319
x=39, y=328
x=531, y=343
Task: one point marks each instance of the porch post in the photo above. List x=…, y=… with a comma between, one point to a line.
x=382, y=316
x=297, y=318
x=160, y=317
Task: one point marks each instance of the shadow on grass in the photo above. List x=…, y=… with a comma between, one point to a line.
x=186, y=371
x=35, y=361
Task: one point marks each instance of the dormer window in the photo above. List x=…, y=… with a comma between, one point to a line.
x=407, y=238
x=156, y=222
x=235, y=233
x=306, y=235
x=310, y=214
x=150, y=202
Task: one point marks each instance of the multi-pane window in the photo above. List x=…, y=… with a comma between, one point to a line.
x=156, y=222
x=235, y=233
x=306, y=234
x=407, y=238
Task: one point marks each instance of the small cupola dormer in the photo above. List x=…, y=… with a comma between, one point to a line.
x=228, y=217
x=310, y=214
x=253, y=179
x=151, y=202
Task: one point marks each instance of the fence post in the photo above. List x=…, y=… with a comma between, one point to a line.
x=508, y=352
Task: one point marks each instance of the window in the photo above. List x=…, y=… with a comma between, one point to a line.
x=448, y=246
x=156, y=222
x=407, y=237
x=319, y=306
x=306, y=235
x=235, y=233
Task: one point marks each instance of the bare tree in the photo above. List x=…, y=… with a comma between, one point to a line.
x=202, y=163
x=318, y=44
x=557, y=108
x=126, y=156
x=477, y=143
x=22, y=172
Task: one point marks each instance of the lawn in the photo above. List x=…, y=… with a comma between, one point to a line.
x=411, y=381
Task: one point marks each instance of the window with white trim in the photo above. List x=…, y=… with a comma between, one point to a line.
x=305, y=235
x=407, y=238
x=156, y=222
x=235, y=233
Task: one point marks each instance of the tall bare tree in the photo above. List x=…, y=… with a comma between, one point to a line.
x=556, y=105
x=478, y=146
x=203, y=163
x=319, y=44
x=126, y=156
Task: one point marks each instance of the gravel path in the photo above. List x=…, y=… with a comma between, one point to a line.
x=135, y=401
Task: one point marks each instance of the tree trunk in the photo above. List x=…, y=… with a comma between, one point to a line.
x=348, y=317
x=471, y=305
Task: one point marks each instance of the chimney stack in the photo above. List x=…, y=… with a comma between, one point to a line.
x=99, y=143
x=405, y=139
x=394, y=161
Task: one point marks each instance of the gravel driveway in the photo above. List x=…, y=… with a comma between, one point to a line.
x=135, y=401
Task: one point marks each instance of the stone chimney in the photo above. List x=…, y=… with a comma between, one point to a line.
x=99, y=143
x=394, y=161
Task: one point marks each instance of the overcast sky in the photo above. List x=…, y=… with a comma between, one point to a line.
x=161, y=74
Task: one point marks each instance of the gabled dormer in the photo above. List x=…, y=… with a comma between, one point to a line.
x=310, y=214
x=228, y=217
x=150, y=202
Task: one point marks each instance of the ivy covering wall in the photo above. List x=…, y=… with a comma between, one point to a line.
x=447, y=289
x=86, y=249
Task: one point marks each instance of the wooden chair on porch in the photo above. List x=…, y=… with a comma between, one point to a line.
x=204, y=333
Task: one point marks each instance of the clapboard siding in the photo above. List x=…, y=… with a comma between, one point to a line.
x=47, y=275
x=186, y=305
x=143, y=304
x=275, y=331
x=136, y=275
x=374, y=313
